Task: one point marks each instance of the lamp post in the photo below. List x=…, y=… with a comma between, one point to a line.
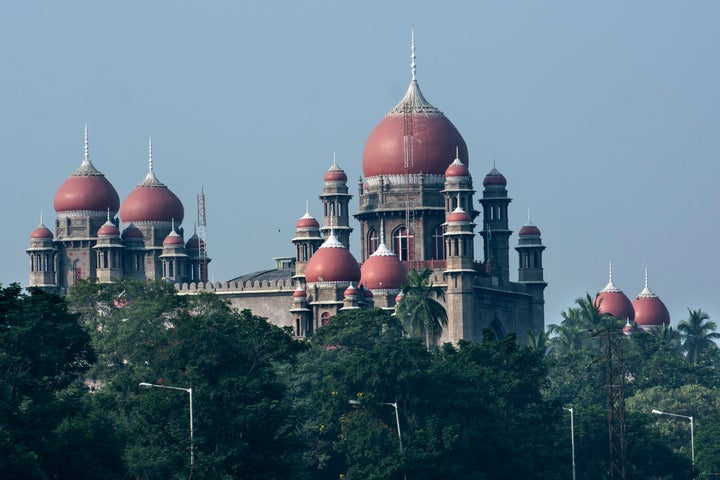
x=572, y=438
x=397, y=422
x=190, y=392
x=692, y=430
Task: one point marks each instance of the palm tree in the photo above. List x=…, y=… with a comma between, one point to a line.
x=698, y=334
x=420, y=307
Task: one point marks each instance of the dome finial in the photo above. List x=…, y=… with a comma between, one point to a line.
x=150, y=159
x=457, y=152
x=412, y=54
x=529, y=219
x=108, y=214
x=307, y=207
x=610, y=269
x=86, y=155
x=646, y=278
x=382, y=231
x=41, y=217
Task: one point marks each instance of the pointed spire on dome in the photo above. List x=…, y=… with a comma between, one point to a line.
x=86, y=169
x=646, y=292
x=413, y=101
x=382, y=250
x=41, y=219
x=412, y=52
x=610, y=287
x=150, y=179
x=332, y=241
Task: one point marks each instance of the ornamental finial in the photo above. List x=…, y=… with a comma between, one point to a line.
x=41, y=217
x=86, y=155
x=412, y=50
x=150, y=160
x=646, y=278
x=611, y=279
x=307, y=207
x=529, y=220
x=382, y=231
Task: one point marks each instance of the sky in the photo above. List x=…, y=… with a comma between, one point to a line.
x=603, y=116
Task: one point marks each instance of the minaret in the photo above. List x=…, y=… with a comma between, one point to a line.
x=459, y=274
x=43, y=260
x=109, y=253
x=530, y=273
x=173, y=258
x=307, y=240
x=496, y=232
x=335, y=200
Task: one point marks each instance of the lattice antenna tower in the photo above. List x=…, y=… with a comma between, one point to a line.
x=408, y=148
x=202, y=237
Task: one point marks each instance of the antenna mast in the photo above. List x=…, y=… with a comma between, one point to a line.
x=202, y=238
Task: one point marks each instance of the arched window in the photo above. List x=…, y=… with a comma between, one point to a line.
x=400, y=243
x=324, y=318
x=438, y=248
x=373, y=241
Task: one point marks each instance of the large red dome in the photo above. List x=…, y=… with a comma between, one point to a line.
x=615, y=303
x=434, y=139
x=383, y=270
x=650, y=311
x=86, y=189
x=152, y=201
x=332, y=263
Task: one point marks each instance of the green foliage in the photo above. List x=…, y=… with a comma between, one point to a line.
x=46, y=427
x=698, y=334
x=425, y=317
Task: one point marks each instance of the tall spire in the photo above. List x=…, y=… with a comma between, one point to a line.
x=86, y=167
x=610, y=287
x=150, y=179
x=412, y=53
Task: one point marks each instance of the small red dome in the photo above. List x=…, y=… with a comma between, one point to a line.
x=458, y=216
x=42, y=232
x=494, y=178
x=457, y=169
x=299, y=293
x=335, y=174
x=529, y=230
x=132, y=232
x=434, y=138
x=350, y=292
x=307, y=221
x=193, y=243
x=332, y=262
x=108, y=229
x=152, y=201
x=399, y=297
x=86, y=190
x=383, y=270
x=173, y=239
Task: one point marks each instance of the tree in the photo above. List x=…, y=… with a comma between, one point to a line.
x=420, y=307
x=45, y=431
x=698, y=334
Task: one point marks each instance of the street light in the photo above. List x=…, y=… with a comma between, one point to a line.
x=189, y=391
x=692, y=430
x=572, y=438
x=397, y=422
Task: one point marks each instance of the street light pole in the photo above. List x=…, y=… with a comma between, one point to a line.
x=572, y=438
x=692, y=430
x=397, y=422
x=190, y=393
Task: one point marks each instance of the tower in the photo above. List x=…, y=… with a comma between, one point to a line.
x=404, y=161
x=42, y=254
x=83, y=202
x=496, y=233
x=307, y=240
x=530, y=271
x=154, y=209
x=335, y=200
x=109, y=253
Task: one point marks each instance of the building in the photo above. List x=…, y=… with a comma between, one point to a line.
x=88, y=242
x=416, y=210
x=645, y=312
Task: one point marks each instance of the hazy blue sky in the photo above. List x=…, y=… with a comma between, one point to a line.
x=603, y=116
